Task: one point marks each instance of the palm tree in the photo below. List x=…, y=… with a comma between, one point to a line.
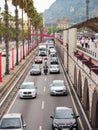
x=38, y=23
x=16, y=3
x=29, y=9
x=6, y=36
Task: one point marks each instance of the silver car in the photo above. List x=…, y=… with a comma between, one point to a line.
x=28, y=90
x=12, y=121
x=58, y=87
x=54, y=69
x=36, y=69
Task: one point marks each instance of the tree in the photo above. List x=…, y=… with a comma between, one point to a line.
x=16, y=3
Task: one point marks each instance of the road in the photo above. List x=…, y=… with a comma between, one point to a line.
x=37, y=112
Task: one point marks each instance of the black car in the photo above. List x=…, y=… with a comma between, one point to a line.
x=64, y=119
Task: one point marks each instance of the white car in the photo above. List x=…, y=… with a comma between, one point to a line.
x=36, y=69
x=58, y=87
x=12, y=121
x=4, y=52
x=54, y=68
x=28, y=90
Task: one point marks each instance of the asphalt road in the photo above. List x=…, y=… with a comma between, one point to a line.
x=37, y=111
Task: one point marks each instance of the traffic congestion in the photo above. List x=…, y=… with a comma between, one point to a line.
x=43, y=93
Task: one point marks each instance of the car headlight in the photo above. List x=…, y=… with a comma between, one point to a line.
x=55, y=124
x=20, y=92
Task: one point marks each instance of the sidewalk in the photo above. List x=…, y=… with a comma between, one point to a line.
x=91, y=50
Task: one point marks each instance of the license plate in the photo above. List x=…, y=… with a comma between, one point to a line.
x=65, y=129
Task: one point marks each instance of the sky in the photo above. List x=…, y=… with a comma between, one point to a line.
x=40, y=5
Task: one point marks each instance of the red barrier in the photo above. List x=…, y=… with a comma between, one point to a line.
x=0, y=67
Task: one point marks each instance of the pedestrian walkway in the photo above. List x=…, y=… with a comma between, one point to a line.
x=91, y=49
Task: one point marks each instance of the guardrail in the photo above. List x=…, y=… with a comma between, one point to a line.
x=6, y=94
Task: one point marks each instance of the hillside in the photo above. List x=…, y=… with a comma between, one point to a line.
x=75, y=10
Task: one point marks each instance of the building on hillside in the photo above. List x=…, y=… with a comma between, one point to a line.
x=63, y=24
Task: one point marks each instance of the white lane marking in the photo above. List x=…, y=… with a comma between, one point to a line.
x=12, y=102
x=44, y=89
x=45, y=79
x=43, y=104
x=40, y=127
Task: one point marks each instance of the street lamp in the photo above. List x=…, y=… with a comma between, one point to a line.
x=7, y=36
x=87, y=9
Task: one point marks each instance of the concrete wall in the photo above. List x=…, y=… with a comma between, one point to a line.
x=84, y=81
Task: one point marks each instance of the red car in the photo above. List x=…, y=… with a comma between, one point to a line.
x=38, y=59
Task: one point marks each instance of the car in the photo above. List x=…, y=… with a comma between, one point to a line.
x=58, y=87
x=53, y=55
x=42, y=53
x=53, y=60
x=64, y=118
x=54, y=69
x=12, y=121
x=36, y=69
x=38, y=59
x=28, y=90
x=4, y=52
x=52, y=50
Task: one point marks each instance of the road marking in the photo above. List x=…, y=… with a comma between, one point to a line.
x=45, y=79
x=44, y=89
x=12, y=103
x=43, y=104
x=40, y=127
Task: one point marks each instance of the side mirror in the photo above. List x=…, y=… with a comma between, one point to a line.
x=51, y=117
x=50, y=85
x=77, y=116
x=24, y=125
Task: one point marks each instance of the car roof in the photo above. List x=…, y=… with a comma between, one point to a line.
x=54, y=65
x=62, y=107
x=36, y=65
x=12, y=115
x=28, y=83
x=55, y=81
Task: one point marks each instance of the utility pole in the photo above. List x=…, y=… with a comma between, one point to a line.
x=87, y=9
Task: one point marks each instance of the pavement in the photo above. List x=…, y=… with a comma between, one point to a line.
x=91, y=49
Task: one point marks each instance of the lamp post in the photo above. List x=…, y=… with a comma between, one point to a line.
x=6, y=36
x=13, y=58
x=87, y=9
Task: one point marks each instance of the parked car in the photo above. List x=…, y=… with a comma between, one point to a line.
x=54, y=69
x=28, y=90
x=36, y=69
x=38, y=59
x=64, y=118
x=58, y=87
x=12, y=121
x=4, y=52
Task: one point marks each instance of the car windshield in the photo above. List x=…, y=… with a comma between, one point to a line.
x=64, y=114
x=35, y=67
x=27, y=86
x=58, y=84
x=11, y=123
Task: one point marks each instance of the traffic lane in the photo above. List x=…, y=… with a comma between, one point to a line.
x=50, y=102
x=37, y=111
